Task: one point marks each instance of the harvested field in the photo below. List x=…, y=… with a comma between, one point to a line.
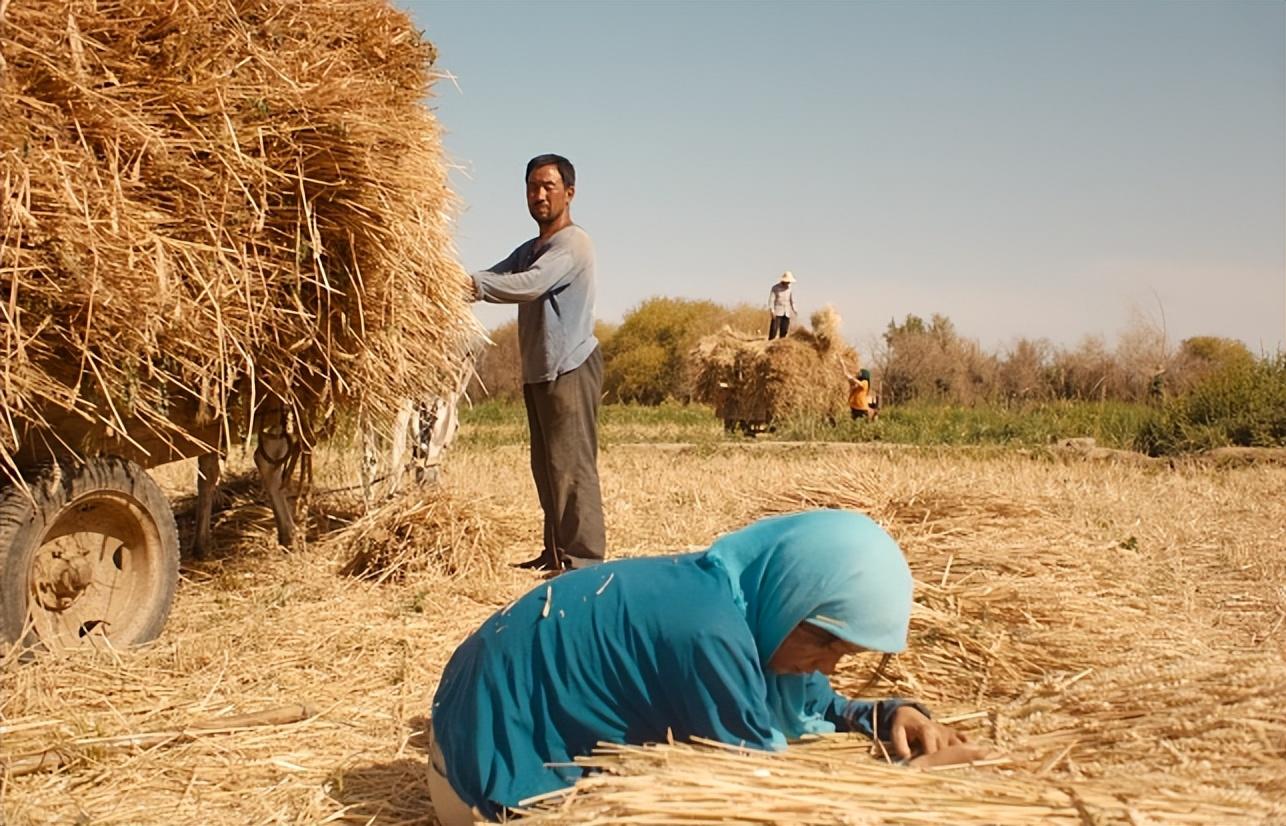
x=1118, y=631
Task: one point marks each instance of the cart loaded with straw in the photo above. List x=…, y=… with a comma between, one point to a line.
x=206, y=206
x=754, y=384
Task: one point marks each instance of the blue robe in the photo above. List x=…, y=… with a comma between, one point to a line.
x=641, y=650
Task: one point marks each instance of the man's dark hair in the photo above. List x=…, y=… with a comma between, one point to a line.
x=565, y=167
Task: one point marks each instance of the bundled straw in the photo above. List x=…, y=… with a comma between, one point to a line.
x=757, y=381
x=833, y=780
x=201, y=194
x=425, y=531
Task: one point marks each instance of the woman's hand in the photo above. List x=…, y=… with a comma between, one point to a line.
x=915, y=735
x=957, y=755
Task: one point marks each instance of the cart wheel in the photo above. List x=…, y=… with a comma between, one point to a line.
x=91, y=555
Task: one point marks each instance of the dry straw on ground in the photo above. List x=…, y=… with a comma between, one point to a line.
x=1047, y=643
x=832, y=780
x=799, y=377
x=1116, y=631
x=418, y=532
x=198, y=194
x=422, y=530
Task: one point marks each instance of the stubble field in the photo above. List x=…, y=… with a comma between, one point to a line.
x=1119, y=631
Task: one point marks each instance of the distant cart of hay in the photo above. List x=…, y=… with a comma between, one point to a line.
x=203, y=206
x=753, y=383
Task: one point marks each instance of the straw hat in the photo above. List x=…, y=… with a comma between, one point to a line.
x=788, y=277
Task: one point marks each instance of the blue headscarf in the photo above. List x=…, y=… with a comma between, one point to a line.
x=834, y=569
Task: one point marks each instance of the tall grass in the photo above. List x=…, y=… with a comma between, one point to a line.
x=1114, y=424
x=1242, y=404
x=495, y=423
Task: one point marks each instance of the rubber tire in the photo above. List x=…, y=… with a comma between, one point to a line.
x=26, y=520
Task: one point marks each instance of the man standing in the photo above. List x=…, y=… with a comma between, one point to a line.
x=551, y=279
x=782, y=306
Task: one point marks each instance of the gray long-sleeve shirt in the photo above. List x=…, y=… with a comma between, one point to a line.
x=553, y=286
x=780, y=300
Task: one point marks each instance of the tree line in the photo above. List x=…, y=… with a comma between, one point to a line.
x=930, y=360
x=1205, y=392
x=645, y=357
x=647, y=360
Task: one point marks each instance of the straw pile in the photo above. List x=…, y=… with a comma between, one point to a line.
x=425, y=531
x=832, y=780
x=201, y=194
x=798, y=377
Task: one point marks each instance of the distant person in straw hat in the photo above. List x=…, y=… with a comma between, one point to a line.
x=733, y=644
x=551, y=279
x=781, y=303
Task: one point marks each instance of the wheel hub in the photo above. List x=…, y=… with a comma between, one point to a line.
x=60, y=576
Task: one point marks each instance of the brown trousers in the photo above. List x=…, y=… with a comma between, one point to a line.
x=563, y=417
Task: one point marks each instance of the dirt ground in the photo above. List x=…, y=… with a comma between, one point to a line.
x=1035, y=572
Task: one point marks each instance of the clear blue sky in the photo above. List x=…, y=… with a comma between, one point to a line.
x=1036, y=169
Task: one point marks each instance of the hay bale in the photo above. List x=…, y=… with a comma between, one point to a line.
x=200, y=194
x=797, y=377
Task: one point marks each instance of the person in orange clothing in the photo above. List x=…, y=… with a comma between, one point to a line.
x=860, y=405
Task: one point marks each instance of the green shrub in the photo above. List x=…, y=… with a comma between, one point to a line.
x=647, y=355
x=1240, y=403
